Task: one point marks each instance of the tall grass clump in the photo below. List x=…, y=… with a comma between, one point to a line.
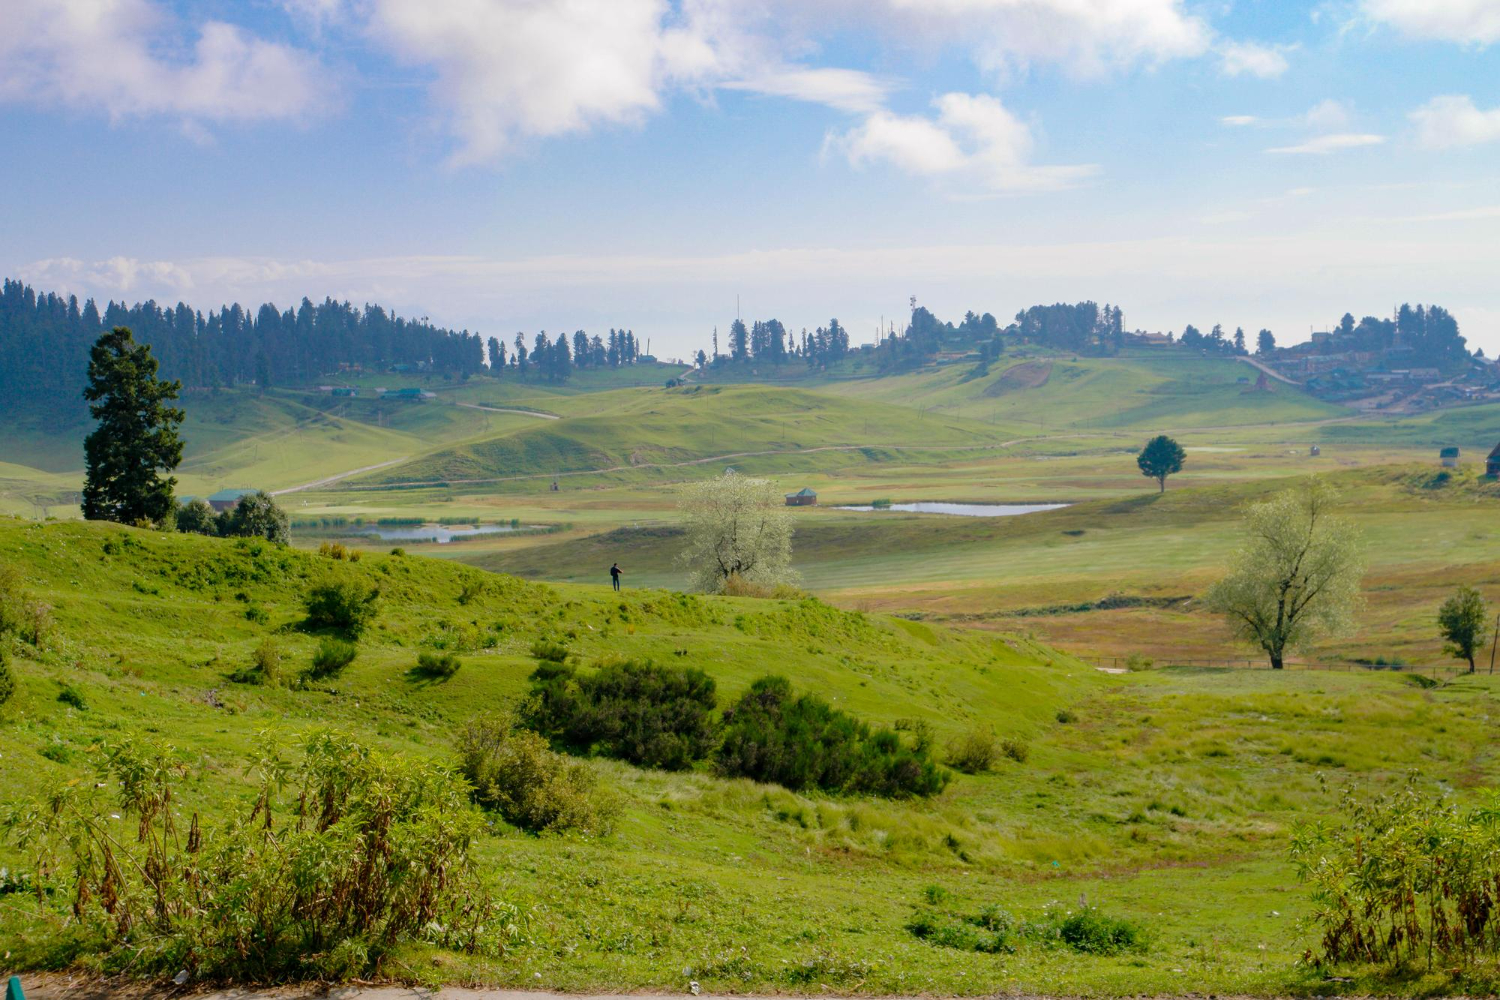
x=21, y=616
x=7, y=677
x=517, y=774
x=803, y=742
x=343, y=606
x=436, y=666
x=991, y=929
x=331, y=657
x=1404, y=879
x=341, y=854
x=974, y=752
x=636, y=710
x=264, y=666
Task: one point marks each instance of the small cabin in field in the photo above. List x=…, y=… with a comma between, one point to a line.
x=227, y=499
x=807, y=498
x=1492, y=464
x=1449, y=457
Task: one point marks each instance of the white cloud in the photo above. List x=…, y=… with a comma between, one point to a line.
x=1252, y=59
x=125, y=58
x=1239, y=121
x=512, y=68
x=1453, y=120
x=1322, y=145
x=117, y=275
x=1087, y=37
x=973, y=139
x=842, y=89
x=1473, y=22
x=1328, y=115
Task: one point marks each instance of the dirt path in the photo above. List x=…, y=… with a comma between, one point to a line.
x=1267, y=369
x=500, y=409
x=342, y=475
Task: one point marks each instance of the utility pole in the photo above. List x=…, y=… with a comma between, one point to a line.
x=1496, y=632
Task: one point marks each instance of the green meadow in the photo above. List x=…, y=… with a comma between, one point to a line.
x=1164, y=797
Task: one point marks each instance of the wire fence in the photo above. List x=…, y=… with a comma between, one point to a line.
x=1431, y=671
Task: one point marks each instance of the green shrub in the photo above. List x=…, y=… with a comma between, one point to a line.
x=332, y=656
x=196, y=517
x=655, y=716
x=20, y=615
x=1064, y=716
x=1136, y=662
x=70, y=695
x=344, y=606
x=264, y=667
x=436, y=666
x=803, y=742
x=7, y=677
x=1094, y=933
x=1016, y=750
x=549, y=652
x=974, y=752
x=514, y=772
x=340, y=856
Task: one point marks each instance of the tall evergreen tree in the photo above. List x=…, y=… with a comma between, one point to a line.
x=136, y=440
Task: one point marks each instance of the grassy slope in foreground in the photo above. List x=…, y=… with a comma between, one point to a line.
x=1167, y=797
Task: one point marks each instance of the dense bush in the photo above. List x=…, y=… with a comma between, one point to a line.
x=974, y=752
x=257, y=515
x=514, y=772
x=1404, y=877
x=345, y=606
x=651, y=715
x=803, y=742
x=332, y=656
x=72, y=697
x=339, y=856
x=7, y=677
x=196, y=517
x=436, y=666
x=1017, y=750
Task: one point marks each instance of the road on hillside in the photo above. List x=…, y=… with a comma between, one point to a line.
x=501, y=409
x=342, y=475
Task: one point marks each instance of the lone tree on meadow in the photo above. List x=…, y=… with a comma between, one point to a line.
x=1464, y=620
x=136, y=440
x=739, y=533
x=1297, y=577
x=1161, y=458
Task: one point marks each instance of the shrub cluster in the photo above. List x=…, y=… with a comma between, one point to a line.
x=803, y=742
x=974, y=752
x=516, y=773
x=341, y=855
x=264, y=666
x=993, y=930
x=651, y=715
x=346, y=606
x=257, y=515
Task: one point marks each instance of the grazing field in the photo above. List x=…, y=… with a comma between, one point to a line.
x=1164, y=798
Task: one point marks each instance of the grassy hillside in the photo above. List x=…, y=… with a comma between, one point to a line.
x=653, y=427
x=1151, y=389
x=1164, y=797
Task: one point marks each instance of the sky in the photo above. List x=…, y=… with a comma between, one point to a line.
x=518, y=165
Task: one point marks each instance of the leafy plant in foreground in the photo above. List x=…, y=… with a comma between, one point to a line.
x=340, y=855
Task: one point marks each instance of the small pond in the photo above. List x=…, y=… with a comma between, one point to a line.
x=963, y=509
x=440, y=533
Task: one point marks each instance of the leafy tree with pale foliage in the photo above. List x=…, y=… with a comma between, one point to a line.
x=1464, y=620
x=739, y=532
x=1161, y=458
x=1297, y=577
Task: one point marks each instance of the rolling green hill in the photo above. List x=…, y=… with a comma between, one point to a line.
x=1163, y=797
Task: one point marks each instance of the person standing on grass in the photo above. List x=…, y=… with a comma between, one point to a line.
x=614, y=575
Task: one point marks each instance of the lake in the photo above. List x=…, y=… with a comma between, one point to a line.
x=963, y=509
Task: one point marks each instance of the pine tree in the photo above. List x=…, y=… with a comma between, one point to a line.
x=136, y=440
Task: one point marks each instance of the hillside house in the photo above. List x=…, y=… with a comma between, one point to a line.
x=227, y=499
x=1492, y=464
x=807, y=498
x=1449, y=457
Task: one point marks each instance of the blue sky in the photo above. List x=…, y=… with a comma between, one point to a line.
x=509, y=165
